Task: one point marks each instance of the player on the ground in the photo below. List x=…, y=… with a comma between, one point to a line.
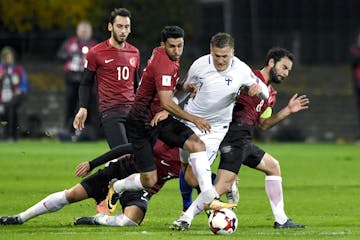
x=134, y=204
x=155, y=94
x=250, y=112
x=217, y=78
x=113, y=65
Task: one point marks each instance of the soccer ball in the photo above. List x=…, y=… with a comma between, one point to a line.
x=223, y=221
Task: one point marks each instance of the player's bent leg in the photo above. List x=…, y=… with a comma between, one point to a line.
x=51, y=203
x=224, y=181
x=186, y=191
x=273, y=187
x=194, y=144
x=76, y=193
x=269, y=165
x=119, y=220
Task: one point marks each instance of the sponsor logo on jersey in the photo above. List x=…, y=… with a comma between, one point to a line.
x=164, y=163
x=166, y=80
x=109, y=60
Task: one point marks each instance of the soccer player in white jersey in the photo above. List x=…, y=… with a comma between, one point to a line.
x=215, y=81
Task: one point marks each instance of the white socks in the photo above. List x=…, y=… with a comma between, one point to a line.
x=198, y=205
x=130, y=183
x=201, y=168
x=51, y=203
x=117, y=220
x=273, y=188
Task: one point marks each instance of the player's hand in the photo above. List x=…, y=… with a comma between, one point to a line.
x=159, y=117
x=80, y=118
x=202, y=124
x=82, y=169
x=191, y=88
x=298, y=103
x=254, y=89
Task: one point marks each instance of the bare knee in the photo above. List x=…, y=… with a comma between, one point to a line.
x=274, y=168
x=269, y=165
x=76, y=193
x=148, y=179
x=194, y=144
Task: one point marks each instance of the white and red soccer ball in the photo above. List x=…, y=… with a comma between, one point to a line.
x=223, y=221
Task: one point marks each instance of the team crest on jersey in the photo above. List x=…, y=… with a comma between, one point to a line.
x=166, y=80
x=228, y=81
x=132, y=61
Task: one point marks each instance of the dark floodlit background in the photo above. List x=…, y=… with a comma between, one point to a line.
x=318, y=32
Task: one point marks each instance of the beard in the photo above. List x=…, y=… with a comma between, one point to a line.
x=120, y=41
x=274, y=77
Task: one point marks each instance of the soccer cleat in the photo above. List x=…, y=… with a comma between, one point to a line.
x=112, y=197
x=233, y=195
x=217, y=204
x=85, y=221
x=180, y=225
x=101, y=207
x=288, y=224
x=10, y=220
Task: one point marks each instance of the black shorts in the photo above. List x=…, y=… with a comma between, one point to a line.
x=114, y=128
x=237, y=148
x=96, y=185
x=171, y=131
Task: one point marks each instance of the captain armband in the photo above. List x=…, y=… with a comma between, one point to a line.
x=267, y=113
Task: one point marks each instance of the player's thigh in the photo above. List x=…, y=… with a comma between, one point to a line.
x=173, y=132
x=213, y=139
x=143, y=139
x=114, y=130
x=97, y=184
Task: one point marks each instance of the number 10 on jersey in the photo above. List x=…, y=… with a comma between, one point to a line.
x=123, y=73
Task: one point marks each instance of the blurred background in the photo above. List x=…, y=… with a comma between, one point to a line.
x=319, y=32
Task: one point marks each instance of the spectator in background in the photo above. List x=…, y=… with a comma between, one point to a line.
x=13, y=89
x=73, y=52
x=355, y=65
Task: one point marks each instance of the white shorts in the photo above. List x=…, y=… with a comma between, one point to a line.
x=212, y=141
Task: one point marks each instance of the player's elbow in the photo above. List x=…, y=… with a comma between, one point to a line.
x=263, y=127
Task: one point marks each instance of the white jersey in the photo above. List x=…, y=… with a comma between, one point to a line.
x=215, y=98
x=217, y=91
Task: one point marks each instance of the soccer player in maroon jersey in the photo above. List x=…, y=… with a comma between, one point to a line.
x=95, y=186
x=113, y=65
x=154, y=95
x=250, y=112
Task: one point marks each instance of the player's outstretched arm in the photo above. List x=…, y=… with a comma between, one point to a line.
x=296, y=104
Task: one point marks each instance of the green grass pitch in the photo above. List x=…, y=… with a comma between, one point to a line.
x=321, y=189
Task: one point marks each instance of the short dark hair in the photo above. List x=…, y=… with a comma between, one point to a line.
x=221, y=40
x=278, y=53
x=123, y=12
x=171, y=32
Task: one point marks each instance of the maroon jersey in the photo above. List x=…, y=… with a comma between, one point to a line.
x=160, y=74
x=168, y=164
x=248, y=109
x=115, y=74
